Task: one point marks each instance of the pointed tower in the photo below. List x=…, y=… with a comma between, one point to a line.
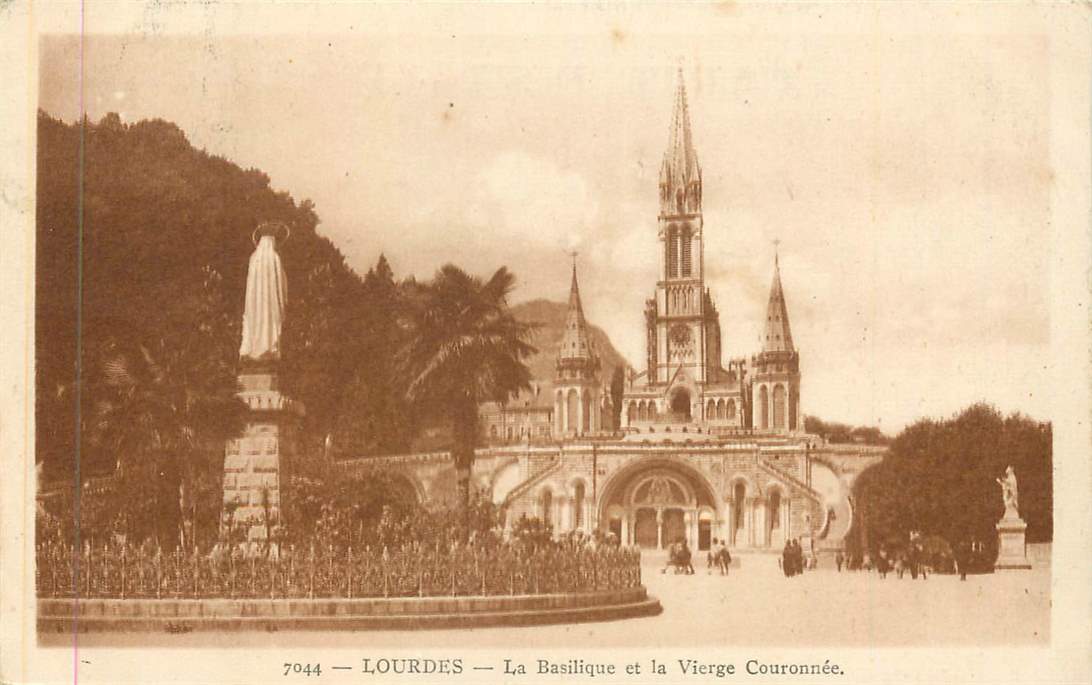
x=775, y=384
x=683, y=325
x=576, y=384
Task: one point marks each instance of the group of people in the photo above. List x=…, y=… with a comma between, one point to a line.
x=792, y=558
x=678, y=556
x=719, y=557
x=901, y=562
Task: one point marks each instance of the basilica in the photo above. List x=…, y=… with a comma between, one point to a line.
x=703, y=450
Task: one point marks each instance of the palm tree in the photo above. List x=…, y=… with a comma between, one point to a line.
x=465, y=347
x=162, y=418
x=164, y=407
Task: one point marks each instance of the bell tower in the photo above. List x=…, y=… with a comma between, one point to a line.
x=679, y=315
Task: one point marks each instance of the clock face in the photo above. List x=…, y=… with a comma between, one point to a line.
x=680, y=334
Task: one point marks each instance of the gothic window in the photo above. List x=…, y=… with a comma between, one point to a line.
x=631, y=412
x=642, y=412
x=794, y=399
x=572, y=414
x=585, y=422
x=680, y=201
x=720, y=409
x=764, y=407
x=685, y=240
x=779, y=406
x=672, y=253
x=730, y=410
x=710, y=410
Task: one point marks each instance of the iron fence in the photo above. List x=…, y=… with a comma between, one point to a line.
x=127, y=571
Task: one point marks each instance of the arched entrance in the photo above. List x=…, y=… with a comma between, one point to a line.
x=777, y=518
x=646, y=528
x=680, y=405
x=658, y=501
x=705, y=530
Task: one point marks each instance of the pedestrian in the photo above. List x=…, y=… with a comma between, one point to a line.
x=711, y=557
x=672, y=557
x=689, y=567
x=786, y=559
x=724, y=558
x=839, y=560
x=961, y=557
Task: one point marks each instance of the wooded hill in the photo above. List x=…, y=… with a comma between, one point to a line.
x=143, y=242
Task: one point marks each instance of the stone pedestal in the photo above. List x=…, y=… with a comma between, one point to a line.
x=252, y=462
x=1011, y=550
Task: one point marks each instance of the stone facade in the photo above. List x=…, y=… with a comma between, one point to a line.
x=753, y=491
x=704, y=451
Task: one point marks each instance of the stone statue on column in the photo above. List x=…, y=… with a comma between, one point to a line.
x=1011, y=546
x=253, y=461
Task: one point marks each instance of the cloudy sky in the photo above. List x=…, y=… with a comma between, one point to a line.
x=907, y=176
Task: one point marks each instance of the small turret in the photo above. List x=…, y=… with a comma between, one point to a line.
x=575, y=342
x=778, y=336
x=577, y=393
x=775, y=384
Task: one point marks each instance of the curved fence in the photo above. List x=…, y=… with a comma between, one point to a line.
x=125, y=571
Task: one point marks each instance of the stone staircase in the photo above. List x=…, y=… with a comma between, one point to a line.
x=552, y=467
x=786, y=476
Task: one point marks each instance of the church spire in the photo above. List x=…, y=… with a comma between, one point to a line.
x=778, y=336
x=680, y=173
x=575, y=341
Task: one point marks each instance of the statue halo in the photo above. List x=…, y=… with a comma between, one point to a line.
x=272, y=228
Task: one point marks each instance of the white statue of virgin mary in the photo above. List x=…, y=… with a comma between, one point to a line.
x=266, y=292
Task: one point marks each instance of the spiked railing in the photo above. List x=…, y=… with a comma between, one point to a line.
x=127, y=571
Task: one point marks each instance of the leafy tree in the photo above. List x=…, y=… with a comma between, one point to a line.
x=130, y=219
x=939, y=478
x=465, y=347
x=166, y=407
x=375, y=417
x=840, y=433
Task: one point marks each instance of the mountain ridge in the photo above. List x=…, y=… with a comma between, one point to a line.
x=550, y=316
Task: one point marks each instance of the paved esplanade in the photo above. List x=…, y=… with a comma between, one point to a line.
x=754, y=605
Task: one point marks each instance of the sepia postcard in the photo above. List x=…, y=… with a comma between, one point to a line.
x=520, y=343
